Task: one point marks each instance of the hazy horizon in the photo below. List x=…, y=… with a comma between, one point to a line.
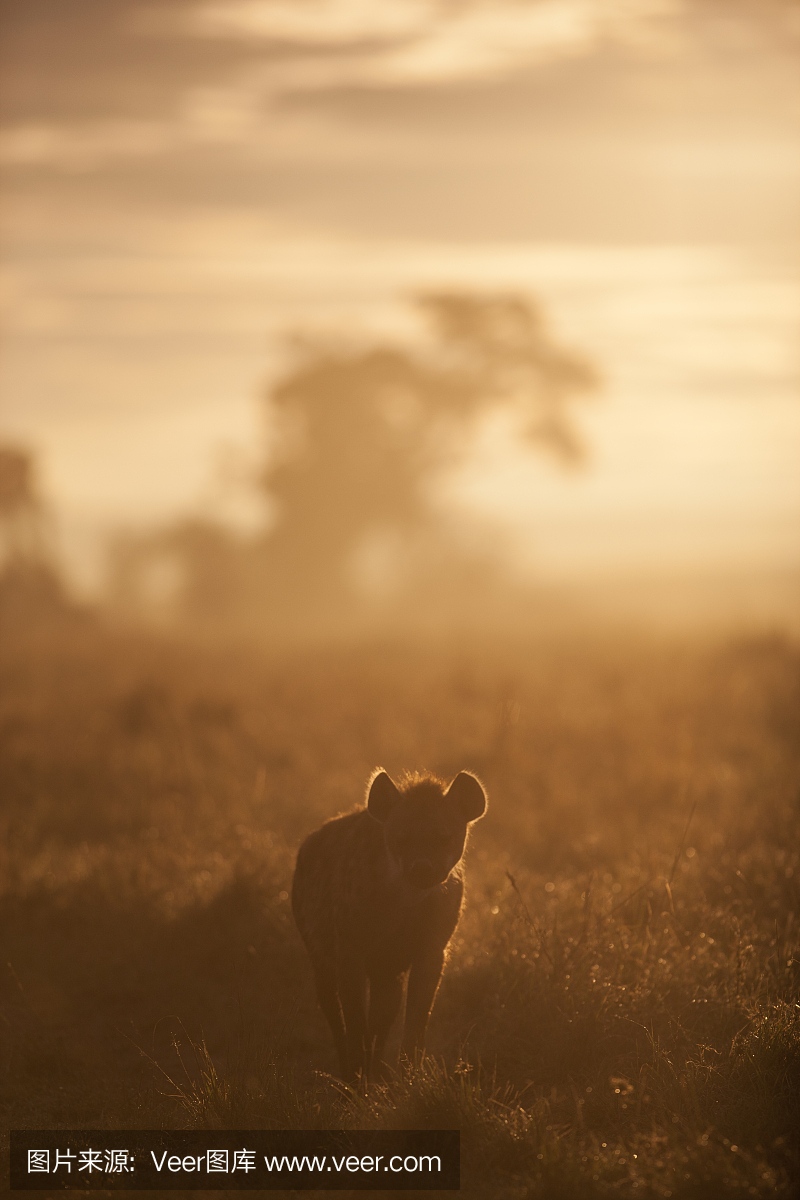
x=185, y=182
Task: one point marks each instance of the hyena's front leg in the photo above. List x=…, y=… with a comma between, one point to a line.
x=423, y=982
x=385, y=999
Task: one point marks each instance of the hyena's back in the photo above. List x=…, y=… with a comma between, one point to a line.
x=347, y=911
x=336, y=873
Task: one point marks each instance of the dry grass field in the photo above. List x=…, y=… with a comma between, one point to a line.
x=620, y=1015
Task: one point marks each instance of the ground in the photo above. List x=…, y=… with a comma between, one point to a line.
x=619, y=1016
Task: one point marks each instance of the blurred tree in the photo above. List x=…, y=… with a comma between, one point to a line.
x=22, y=526
x=360, y=433
x=31, y=589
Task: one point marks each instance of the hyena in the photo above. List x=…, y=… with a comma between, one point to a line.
x=376, y=896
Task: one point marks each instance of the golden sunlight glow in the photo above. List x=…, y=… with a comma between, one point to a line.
x=631, y=168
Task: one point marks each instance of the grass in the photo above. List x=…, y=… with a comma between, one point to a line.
x=620, y=1015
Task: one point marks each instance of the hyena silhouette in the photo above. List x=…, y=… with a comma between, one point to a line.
x=376, y=896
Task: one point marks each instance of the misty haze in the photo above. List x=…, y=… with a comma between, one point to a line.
x=408, y=386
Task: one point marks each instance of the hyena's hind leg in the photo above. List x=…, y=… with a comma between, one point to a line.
x=328, y=997
x=319, y=943
x=353, y=990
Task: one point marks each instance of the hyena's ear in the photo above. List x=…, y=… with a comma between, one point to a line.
x=468, y=793
x=382, y=796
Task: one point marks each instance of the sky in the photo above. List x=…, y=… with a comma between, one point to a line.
x=184, y=180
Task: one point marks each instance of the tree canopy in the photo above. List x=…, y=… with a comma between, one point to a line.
x=363, y=430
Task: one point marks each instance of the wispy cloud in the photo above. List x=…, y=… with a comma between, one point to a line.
x=317, y=45
x=81, y=145
x=407, y=42
x=314, y=21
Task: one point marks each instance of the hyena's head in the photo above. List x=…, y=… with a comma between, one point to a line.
x=425, y=823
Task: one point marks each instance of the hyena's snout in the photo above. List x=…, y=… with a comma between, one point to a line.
x=423, y=874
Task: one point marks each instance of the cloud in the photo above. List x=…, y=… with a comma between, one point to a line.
x=79, y=146
x=286, y=48
x=419, y=42
x=314, y=22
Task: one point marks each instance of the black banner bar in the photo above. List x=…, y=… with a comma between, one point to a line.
x=226, y=1160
